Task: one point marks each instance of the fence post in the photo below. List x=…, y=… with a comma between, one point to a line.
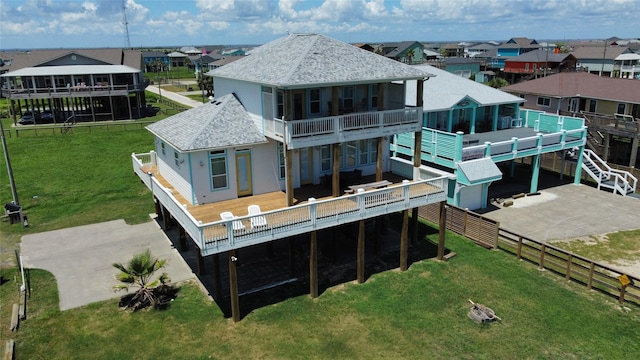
x=519, y=256
x=623, y=290
x=569, y=260
x=542, y=250
x=591, y=268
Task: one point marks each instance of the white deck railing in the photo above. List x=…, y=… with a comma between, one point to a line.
x=220, y=236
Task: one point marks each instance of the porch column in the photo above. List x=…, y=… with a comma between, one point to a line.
x=360, y=252
x=335, y=101
x=417, y=154
x=450, y=121
x=380, y=96
x=535, y=170
x=442, y=224
x=201, y=268
x=403, y=240
x=605, y=153
x=233, y=287
x=420, y=94
x=313, y=265
x=634, y=151
x=472, y=126
x=379, y=159
x=496, y=113
x=335, y=180
x=288, y=159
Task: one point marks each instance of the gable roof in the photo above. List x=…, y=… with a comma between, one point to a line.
x=598, y=52
x=540, y=55
x=219, y=124
x=445, y=90
x=582, y=84
x=303, y=60
x=131, y=58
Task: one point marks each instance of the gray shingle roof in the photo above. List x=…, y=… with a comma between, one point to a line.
x=222, y=123
x=303, y=60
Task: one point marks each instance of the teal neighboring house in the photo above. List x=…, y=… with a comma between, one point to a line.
x=464, y=67
x=513, y=48
x=469, y=128
x=408, y=52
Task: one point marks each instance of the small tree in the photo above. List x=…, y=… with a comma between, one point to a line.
x=139, y=273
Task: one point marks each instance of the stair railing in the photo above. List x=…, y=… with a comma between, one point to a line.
x=623, y=181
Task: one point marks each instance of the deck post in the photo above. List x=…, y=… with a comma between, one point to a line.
x=535, y=168
x=634, y=151
x=360, y=252
x=404, y=240
x=217, y=282
x=335, y=180
x=182, y=237
x=201, y=269
x=313, y=265
x=442, y=224
x=414, y=226
x=233, y=287
x=605, y=150
x=158, y=208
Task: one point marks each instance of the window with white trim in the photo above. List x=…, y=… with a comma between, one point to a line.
x=593, y=105
x=176, y=158
x=280, y=104
x=281, y=161
x=347, y=98
x=544, y=101
x=218, y=162
x=621, y=108
x=314, y=101
x=325, y=158
x=164, y=152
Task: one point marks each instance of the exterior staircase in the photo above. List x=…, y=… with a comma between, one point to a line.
x=618, y=181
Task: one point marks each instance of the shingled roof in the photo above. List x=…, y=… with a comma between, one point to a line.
x=219, y=124
x=131, y=58
x=540, y=55
x=303, y=60
x=586, y=85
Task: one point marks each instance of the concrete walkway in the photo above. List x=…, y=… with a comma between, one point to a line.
x=180, y=99
x=80, y=258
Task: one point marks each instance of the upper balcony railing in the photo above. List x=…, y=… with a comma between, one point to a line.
x=347, y=127
x=103, y=89
x=219, y=236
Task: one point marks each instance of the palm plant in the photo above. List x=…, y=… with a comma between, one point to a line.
x=139, y=272
x=410, y=54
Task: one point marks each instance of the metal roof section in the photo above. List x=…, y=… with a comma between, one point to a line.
x=72, y=70
x=478, y=171
x=445, y=90
x=221, y=123
x=304, y=60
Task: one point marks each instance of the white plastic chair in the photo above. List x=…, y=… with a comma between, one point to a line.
x=257, y=220
x=237, y=225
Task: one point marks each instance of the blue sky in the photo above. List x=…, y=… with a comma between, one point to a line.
x=33, y=24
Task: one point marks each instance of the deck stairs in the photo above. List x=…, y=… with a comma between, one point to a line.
x=618, y=181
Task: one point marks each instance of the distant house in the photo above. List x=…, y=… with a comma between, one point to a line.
x=408, y=52
x=224, y=61
x=512, y=48
x=365, y=46
x=77, y=85
x=177, y=59
x=598, y=59
x=627, y=66
x=464, y=67
x=452, y=50
x=477, y=49
x=232, y=52
x=155, y=61
x=537, y=63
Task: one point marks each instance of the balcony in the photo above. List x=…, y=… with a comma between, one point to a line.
x=342, y=128
x=278, y=221
x=69, y=92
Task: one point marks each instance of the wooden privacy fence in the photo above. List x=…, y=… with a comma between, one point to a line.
x=574, y=267
x=476, y=227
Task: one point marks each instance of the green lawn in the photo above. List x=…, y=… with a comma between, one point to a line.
x=420, y=313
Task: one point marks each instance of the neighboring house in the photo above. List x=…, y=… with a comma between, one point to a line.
x=512, y=48
x=203, y=61
x=614, y=101
x=470, y=128
x=190, y=50
x=598, y=59
x=224, y=61
x=478, y=49
x=155, y=61
x=232, y=52
x=452, y=50
x=79, y=85
x=301, y=114
x=537, y=63
x=408, y=52
x=178, y=59
x=464, y=67
x=365, y=46
x=627, y=66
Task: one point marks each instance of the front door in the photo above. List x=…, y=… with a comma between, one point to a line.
x=306, y=166
x=243, y=173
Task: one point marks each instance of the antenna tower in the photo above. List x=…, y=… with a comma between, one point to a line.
x=127, y=41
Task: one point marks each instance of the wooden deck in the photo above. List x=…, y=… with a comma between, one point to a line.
x=208, y=213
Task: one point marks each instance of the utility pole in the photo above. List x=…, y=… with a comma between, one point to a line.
x=12, y=183
x=127, y=41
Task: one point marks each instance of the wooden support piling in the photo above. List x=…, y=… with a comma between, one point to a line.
x=404, y=240
x=233, y=287
x=442, y=225
x=313, y=265
x=360, y=252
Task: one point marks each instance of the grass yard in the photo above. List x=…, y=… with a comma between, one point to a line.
x=616, y=247
x=420, y=313
x=73, y=179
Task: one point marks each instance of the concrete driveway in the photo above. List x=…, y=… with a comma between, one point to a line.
x=80, y=258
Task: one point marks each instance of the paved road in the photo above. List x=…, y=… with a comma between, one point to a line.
x=80, y=258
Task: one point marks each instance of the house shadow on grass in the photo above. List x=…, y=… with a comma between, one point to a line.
x=279, y=270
